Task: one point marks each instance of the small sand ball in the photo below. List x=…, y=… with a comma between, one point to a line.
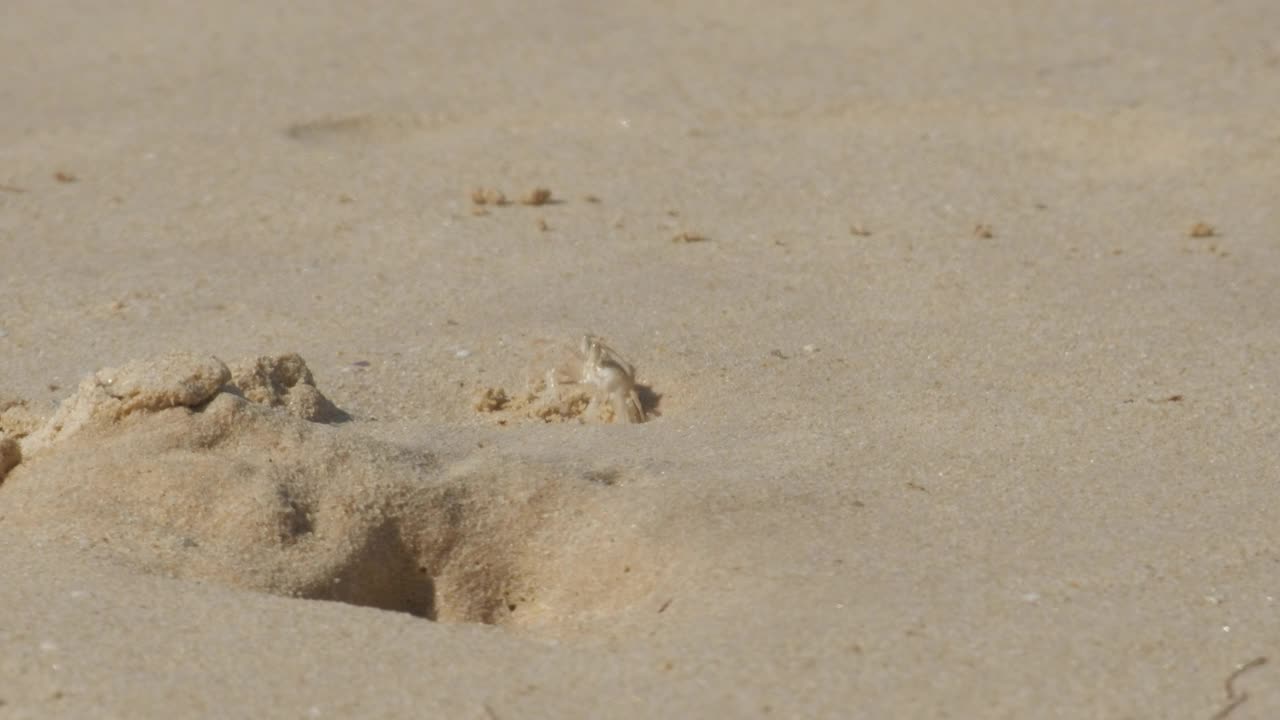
x=536, y=196
x=267, y=380
x=10, y=455
x=1202, y=230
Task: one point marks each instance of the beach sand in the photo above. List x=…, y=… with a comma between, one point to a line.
x=956, y=325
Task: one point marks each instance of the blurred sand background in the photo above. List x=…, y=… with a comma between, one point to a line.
x=958, y=412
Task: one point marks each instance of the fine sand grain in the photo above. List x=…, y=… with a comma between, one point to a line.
x=954, y=328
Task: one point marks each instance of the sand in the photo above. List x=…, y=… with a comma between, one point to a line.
x=955, y=327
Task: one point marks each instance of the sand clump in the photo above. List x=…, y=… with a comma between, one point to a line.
x=536, y=196
x=111, y=394
x=1202, y=230
x=283, y=381
x=18, y=420
x=541, y=401
x=181, y=380
x=492, y=399
x=488, y=196
x=184, y=467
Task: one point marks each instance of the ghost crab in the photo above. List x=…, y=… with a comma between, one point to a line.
x=612, y=379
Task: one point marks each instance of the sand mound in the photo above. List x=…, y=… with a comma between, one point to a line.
x=167, y=467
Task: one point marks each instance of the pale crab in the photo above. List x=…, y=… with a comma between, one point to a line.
x=612, y=377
